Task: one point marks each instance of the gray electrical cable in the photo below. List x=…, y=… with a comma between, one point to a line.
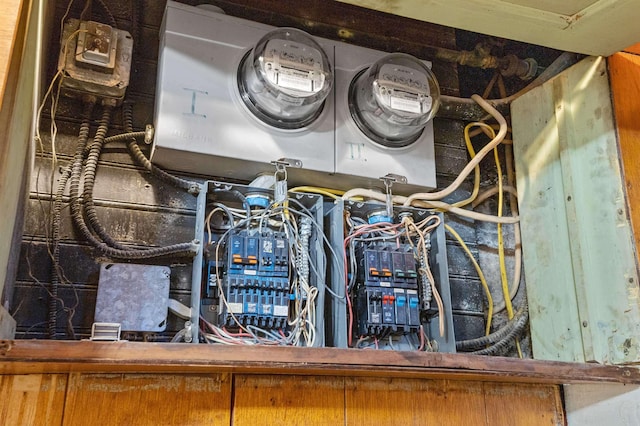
x=142, y=160
x=502, y=346
x=513, y=328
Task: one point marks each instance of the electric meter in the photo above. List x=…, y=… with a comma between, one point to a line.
x=285, y=79
x=393, y=100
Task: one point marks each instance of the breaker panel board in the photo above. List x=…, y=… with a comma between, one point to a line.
x=261, y=279
x=391, y=304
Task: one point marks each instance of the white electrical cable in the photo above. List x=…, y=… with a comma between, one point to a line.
x=432, y=199
x=429, y=196
x=432, y=204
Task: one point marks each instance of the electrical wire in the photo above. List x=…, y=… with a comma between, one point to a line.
x=56, y=270
x=77, y=204
x=438, y=205
x=485, y=195
x=503, y=271
x=517, y=236
x=472, y=153
x=408, y=222
x=501, y=256
x=142, y=160
x=429, y=196
x=54, y=101
x=314, y=190
x=516, y=326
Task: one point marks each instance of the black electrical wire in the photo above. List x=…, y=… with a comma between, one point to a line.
x=83, y=136
x=513, y=327
x=107, y=12
x=142, y=160
x=77, y=204
x=135, y=7
x=241, y=197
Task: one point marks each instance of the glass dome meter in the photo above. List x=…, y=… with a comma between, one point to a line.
x=393, y=100
x=285, y=78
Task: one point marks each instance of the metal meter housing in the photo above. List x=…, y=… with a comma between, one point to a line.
x=234, y=95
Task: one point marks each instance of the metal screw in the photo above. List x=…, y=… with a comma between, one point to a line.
x=585, y=324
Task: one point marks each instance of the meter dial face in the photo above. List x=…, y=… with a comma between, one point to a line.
x=285, y=79
x=393, y=100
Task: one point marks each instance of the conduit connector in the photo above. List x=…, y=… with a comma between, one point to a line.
x=149, y=132
x=511, y=65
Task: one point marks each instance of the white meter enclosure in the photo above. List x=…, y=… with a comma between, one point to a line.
x=220, y=113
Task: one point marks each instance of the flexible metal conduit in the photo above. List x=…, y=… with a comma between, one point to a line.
x=116, y=250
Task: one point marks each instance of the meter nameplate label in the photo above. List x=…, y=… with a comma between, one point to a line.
x=293, y=66
x=406, y=89
x=403, y=101
x=290, y=78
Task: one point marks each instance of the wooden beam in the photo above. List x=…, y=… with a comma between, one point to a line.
x=39, y=356
x=9, y=50
x=624, y=71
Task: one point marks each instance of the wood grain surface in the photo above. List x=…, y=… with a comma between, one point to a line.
x=9, y=18
x=32, y=399
x=624, y=72
x=526, y=405
x=148, y=399
x=250, y=399
x=288, y=400
x=414, y=402
x=39, y=356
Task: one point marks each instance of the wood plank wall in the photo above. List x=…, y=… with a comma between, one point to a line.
x=218, y=399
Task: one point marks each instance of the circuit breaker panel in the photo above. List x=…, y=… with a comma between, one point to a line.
x=262, y=272
x=397, y=287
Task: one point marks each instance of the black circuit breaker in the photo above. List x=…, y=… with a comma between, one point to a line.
x=387, y=296
x=255, y=279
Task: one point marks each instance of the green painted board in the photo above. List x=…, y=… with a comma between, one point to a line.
x=582, y=280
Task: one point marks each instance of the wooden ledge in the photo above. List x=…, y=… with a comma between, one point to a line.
x=40, y=356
